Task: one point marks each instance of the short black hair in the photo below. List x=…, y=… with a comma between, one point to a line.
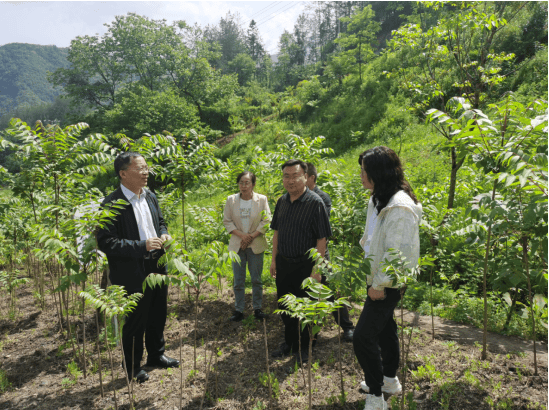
x=311, y=170
x=251, y=174
x=124, y=160
x=293, y=162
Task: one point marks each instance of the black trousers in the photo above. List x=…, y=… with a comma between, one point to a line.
x=375, y=340
x=148, y=319
x=341, y=315
x=289, y=276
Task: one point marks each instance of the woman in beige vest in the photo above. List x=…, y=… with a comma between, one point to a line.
x=246, y=218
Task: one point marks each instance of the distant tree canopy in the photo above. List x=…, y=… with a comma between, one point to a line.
x=444, y=49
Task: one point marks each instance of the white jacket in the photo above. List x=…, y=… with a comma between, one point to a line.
x=397, y=227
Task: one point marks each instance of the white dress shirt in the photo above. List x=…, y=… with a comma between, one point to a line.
x=142, y=213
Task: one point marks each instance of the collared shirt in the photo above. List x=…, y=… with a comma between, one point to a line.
x=300, y=223
x=142, y=213
x=325, y=198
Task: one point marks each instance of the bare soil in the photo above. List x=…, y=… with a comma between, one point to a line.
x=35, y=365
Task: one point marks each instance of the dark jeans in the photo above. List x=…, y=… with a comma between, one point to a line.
x=148, y=318
x=376, y=340
x=289, y=276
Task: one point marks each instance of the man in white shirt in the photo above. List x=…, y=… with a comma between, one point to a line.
x=133, y=243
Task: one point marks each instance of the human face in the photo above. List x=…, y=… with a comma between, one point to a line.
x=246, y=186
x=311, y=182
x=365, y=179
x=294, y=180
x=136, y=175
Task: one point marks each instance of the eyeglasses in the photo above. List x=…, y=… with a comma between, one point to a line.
x=292, y=178
x=143, y=170
x=244, y=183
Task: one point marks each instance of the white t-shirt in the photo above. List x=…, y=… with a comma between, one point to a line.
x=370, y=230
x=245, y=213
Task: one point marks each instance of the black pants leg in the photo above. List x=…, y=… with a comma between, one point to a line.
x=289, y=277
x=375, y=340
x=147, y=319
x=341, y=315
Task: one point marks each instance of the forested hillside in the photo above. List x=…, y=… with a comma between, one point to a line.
x=458, y=89
x=23, y=74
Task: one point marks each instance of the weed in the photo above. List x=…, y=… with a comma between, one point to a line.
x=409, y=400
x=67, y=382
x=208, y=396
x=259, y=406
x=331, y=359
x=73, y=370
x=519, y=374
x=452, y=348
x=446, y=392
x=335, y=399
x=426, y=372
x=192, y=374
x=5, y=384
x=249, y=323
x=275, y=387
x=229, y=391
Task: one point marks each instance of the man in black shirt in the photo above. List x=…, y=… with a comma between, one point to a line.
x=341, y=315
x=300, y=222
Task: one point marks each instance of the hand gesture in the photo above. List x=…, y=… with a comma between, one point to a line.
x=246, y=241
x=154, y=243
x=376, y=294
x=165, y=237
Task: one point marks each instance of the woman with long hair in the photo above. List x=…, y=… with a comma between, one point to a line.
x=392, y=224
x=246, y=217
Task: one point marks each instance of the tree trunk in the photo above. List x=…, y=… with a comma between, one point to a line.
x=524, y=241
x=453, y=177
x=484, y=282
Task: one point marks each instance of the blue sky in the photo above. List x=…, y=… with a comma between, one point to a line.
x=58, y=22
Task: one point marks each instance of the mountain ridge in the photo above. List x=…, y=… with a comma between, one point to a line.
x=23, y=73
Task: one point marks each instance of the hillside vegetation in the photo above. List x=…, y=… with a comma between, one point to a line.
x=23, y=74
x=457, y=89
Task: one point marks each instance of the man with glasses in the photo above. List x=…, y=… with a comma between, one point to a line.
x=133, y=243
x=300, y=222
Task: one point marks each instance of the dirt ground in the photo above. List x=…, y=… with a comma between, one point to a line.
x=448, y=371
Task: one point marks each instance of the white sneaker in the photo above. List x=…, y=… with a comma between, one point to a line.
x=375, y=403
x=391, y=385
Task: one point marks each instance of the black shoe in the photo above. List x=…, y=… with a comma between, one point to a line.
x=259, y=315
x=237, y=316
x=303, y=358
x=163, y=362
x=283, y=350
x=348, y=335
x=140, y=375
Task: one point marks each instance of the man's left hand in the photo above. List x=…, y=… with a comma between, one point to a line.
x=165, y=237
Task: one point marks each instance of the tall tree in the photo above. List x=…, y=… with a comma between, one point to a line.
x=254, y=45
x=358, y=40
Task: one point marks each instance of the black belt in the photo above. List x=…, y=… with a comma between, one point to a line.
x=298, y=259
